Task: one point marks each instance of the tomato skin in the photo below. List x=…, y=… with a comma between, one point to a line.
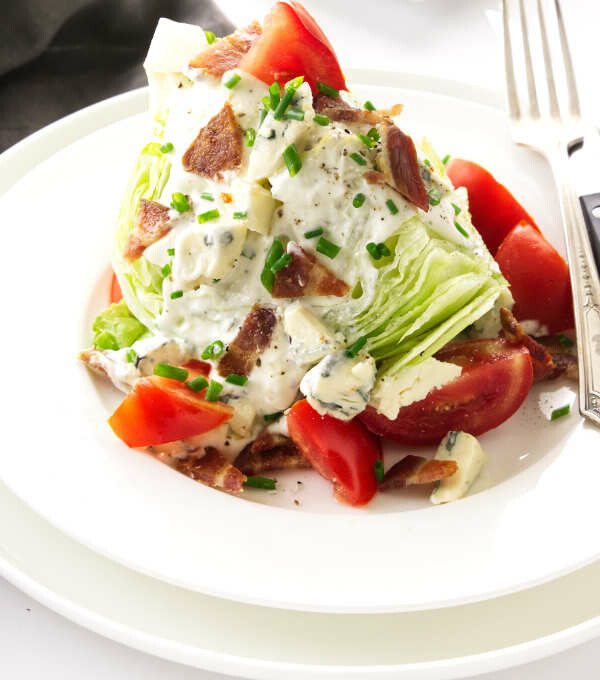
x=115, y=290
x=160, y=410
x=342, y=451
x=495, y=380
x=292, y=44
x=539, y=278
x=494, y=210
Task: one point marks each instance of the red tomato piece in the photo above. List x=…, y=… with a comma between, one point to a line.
x=495, y=380
x=342, y=451
x=160, y=410
x=115, y=290
x=292, y=44
x=539, y=278
x=494, y=210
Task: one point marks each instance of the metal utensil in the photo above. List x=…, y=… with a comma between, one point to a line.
x=552, y=131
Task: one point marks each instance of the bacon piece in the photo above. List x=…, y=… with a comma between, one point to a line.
x=343, y=112
x=228, y=52
x=92, y=359
x=268, y=452
x=305, y=275
x=212, y=469
x=416, y=470
x=151, y=223
x=252, y=339
x=374, y=177
x=398, y=161
x=217, y=147
x=543, y=365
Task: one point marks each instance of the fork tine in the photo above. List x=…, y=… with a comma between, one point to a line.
x=553, y=99
x=511, y=84
x=531, y=91
x=570, y=73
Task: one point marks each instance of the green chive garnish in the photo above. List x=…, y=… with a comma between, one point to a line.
x=267, y=276
x=461, y=230
x=274, y=95
x=445, y=159
x=294, y=83
x=560, y=412
x=292, y=159
x=176, y=294
x=357, y=158
x=214, y=350
x=282, y=262
x=235, y=379
x=205, y=196
x=373, y=251
x=366, y=140
x=456, y=208
x=173, y=372
x=434, y=197
x=167, y=148
x=369, y=106
x=171, y=251
x=327, y=248
x=379, y=472
x=214, y=389
x=263, y=115
x=166, y=270
x=383, y=250
x=208, y=215
x=250, y=136
x=358, y=200
x=392, y=206
x=320, y=119
x=564, y=340
x=233, y=81
x=373, y=134
x=294, y=114
x=427, y=163
x=180, y=202
x=197, y=384
x=266, y=101
x=329, y=91
x=240, y=215
x=272, y=417
x=289, y=91
x=313, y=232
x=355, y=347
x=131, y=356
x=210, y=37
x=260, y=482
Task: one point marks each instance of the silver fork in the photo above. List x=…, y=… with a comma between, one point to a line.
x=552, y=131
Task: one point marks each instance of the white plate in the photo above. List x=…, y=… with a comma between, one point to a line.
x=257, y=642
x=526, y=522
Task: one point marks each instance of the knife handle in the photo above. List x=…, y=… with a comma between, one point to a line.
x=590, y=204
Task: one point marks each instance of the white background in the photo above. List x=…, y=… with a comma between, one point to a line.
x=456, y=39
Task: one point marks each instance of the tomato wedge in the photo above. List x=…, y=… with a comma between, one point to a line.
x=495, y=380
x=160, y=410
x=342, y=451
x=494, y=210
x=115, y=290
x=292, y=44
x=539, y=278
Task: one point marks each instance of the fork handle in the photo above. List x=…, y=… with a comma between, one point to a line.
x=586, y=289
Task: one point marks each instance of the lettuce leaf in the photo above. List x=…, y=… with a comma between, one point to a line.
x=116, y=327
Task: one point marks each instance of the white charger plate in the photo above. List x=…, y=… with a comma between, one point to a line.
x=525, y=522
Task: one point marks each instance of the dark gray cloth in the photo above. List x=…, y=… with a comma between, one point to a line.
x=57, y=56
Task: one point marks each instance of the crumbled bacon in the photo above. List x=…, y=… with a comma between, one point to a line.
x=305, y=275
x=268, y=452
x=343, y=112
x=252, y=339
x=212, y=469
x=151, y=223
x=543, y=365
x=374, y=177
x=228, y=52
x=92, y=359
x=398, y=161
x=416, y=470
x=217, y=147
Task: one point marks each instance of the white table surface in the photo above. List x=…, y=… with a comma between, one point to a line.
x=456, y=39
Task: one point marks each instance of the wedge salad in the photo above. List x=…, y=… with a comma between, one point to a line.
x=297, y=278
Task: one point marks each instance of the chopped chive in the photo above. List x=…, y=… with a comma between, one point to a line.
x=355, y=347
x=250, y=136
x=560, y=412
x=171, y=251
x=266, y=101
x=379, y=472
x=214, y=350
x=284, y=102
x=233, y=81
x=373, y=134
x=208, y=215
x=313, y=232
x=564, y=340
x=427, y=163
x=456, y=209
x=383, y=250
x=166, y=270
x=294, y=83
x=292, y=159
x=235, y=379
x=392, y=206
x=205, y=196
x=176, y=294
x=131, y=356
x=434, y=197
x=272, y=417
x=320, y=119
x=260, y=482
x=197, y=384
x=358, y=200
x=294, y=114
x=373, y=251
x=329, y=91
x=210, y=37
x=369, y=106
x=461, y=230
x=173, y=372
x=180, y=202
x=214, y=389
x=445, y=159
x=263, y=115
x=282, y=262
x=357, y=158
x=167, y=148
x=366, y=140
x=274, y=95
x=240, y=215
x=267, y=276
x=327, y=248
